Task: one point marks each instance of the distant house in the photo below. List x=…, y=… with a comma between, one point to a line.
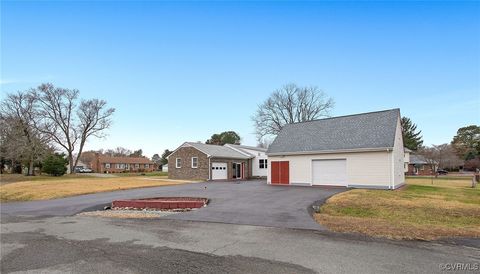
x=108, y=164
x=165, y=167
x=418, y=165
x=361, y=150
x=406, y=159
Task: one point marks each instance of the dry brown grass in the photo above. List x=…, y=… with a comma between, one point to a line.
x=58, y=187
x=421, y=210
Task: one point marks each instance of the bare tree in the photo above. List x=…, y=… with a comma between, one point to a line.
x=118, y=152
x=264, y=143
x=68, y=124
x=20, y=140
x=290, y=104
x=442, y=156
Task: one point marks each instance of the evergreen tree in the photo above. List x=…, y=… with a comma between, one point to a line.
x=412, y=137
x=55, y=164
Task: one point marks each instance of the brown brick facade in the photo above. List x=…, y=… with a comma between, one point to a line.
x=104, y=164
x=421, y=170
x=186, y=171
x=202, y=172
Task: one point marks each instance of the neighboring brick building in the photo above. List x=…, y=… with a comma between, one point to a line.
x=419, y=166
x=108, y=164
x=209, y=162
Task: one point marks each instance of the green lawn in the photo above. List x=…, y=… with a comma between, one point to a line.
x=420, y=210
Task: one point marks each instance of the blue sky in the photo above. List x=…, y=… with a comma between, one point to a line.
x=181, y=71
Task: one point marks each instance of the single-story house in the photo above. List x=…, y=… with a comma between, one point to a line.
x=419, y=166
x=213, y=162
x=107, y=164
x=361, y=151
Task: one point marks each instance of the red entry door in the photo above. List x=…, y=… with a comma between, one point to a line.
x=280, y=172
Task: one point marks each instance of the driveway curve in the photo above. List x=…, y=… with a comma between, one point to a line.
x=245, y=202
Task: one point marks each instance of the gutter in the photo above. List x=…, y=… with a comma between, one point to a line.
x=330, y=151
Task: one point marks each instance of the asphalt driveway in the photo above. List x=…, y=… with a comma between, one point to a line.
x=245, y=202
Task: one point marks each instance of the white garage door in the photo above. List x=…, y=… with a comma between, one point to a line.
x=330, y=172
x=219, y=171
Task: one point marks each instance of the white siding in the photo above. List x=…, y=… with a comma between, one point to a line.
x=406, y=160
x=256, y=170
x=369, y=169
x=399, y=157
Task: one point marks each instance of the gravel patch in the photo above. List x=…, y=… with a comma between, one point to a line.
x=131, y=214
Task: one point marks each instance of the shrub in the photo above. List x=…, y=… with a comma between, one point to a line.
x=55, y=164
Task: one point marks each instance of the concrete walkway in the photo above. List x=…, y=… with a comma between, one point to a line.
x=245, y=202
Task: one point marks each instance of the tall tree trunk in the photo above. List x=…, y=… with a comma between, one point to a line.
x=71, y=163
x=30, y=171
x=82, y=143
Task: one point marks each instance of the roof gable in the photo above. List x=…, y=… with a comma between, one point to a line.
x=217, y=151
x=247, y=150
x=374, y=130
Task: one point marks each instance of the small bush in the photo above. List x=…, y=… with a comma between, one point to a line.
x=55, y=164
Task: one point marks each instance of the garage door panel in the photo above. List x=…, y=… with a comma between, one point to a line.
x=330, y=172
x=219, y=171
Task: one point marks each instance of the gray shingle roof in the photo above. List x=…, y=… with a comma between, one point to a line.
x=361, y=131
x=218, y=151
x=417, y=159
x=243, y=148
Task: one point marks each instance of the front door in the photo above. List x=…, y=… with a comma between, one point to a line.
x=237, y=171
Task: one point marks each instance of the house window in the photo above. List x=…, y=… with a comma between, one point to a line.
x=178, y=163
x=146, y=165
x=194, y=162
x=262, y=163
x=137, y=165
x=117, y=166
x=107, y=165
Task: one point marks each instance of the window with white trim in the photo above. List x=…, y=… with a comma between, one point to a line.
x=262, y=163
x=194, y=162
x=137, y=165
x=178, y=163
x=147, y=165
x=107, y=165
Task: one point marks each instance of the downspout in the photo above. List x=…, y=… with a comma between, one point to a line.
x=209, y=169
x=392, y=177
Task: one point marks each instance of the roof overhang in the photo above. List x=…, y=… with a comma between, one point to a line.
x=220, y=157
x=331, y=151
x=186, y=144
x=240, y=151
